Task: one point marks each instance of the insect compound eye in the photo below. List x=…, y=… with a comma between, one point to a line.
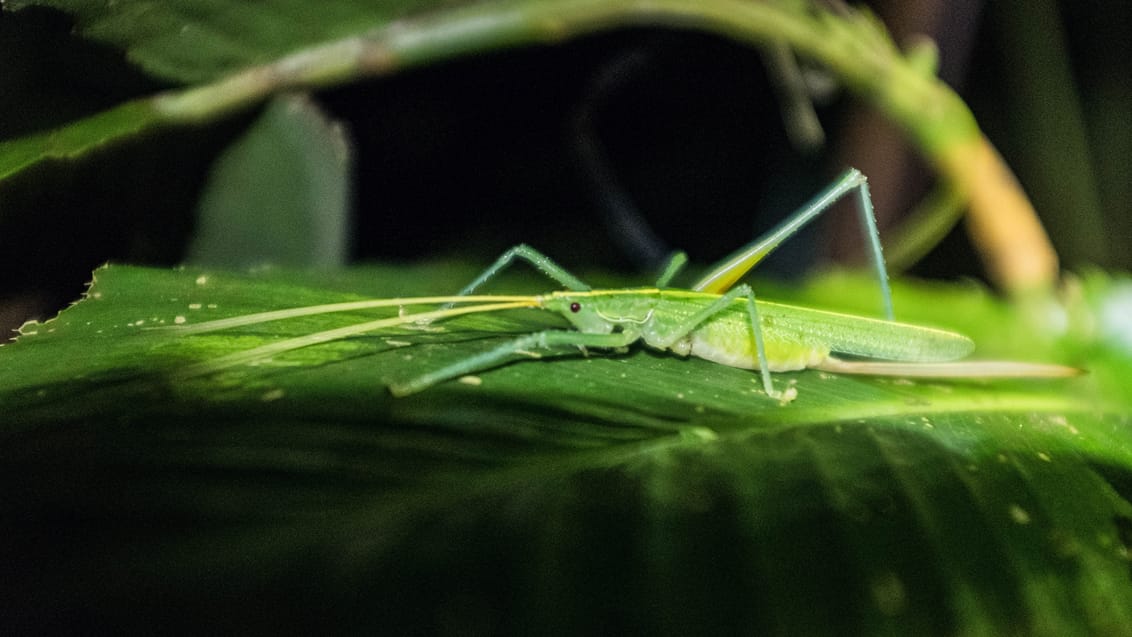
x=575, y=307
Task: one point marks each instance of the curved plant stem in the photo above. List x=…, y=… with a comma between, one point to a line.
x=851, y=44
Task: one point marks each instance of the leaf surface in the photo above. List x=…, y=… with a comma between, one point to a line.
x=640, y=492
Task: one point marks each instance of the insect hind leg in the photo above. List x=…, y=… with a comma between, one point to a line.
x=868, y=221
x=728, y=271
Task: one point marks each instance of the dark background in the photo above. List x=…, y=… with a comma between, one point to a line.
x=540, y=144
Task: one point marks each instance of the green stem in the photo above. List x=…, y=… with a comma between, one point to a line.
x=852, y=44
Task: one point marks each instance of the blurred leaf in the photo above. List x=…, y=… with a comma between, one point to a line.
x=279, y=195
x=77, y=138
x=238, y=54
x=202, y=40
x=632, y=494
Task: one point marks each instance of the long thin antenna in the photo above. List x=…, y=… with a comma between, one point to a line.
x=347, y=306
x=271, y=349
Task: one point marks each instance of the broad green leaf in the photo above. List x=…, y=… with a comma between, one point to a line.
x=78, y=138
x=635, y=493
x=202, y=40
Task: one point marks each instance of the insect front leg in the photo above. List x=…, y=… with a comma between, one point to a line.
x=499, y=355
x=540, y=261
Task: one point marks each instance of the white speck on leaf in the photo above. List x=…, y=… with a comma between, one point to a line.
x=700, y=433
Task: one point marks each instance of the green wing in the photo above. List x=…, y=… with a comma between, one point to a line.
x=867, y=337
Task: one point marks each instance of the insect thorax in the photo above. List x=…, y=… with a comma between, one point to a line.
x=604, y=310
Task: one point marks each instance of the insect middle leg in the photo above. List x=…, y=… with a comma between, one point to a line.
x=672, y=267
x=667, y=337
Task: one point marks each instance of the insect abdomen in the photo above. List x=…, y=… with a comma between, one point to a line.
x=732, y=344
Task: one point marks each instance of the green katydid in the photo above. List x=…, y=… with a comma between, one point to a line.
x=715, y=319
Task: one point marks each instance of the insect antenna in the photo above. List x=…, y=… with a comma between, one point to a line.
x=347, y=306
x=271, y=349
